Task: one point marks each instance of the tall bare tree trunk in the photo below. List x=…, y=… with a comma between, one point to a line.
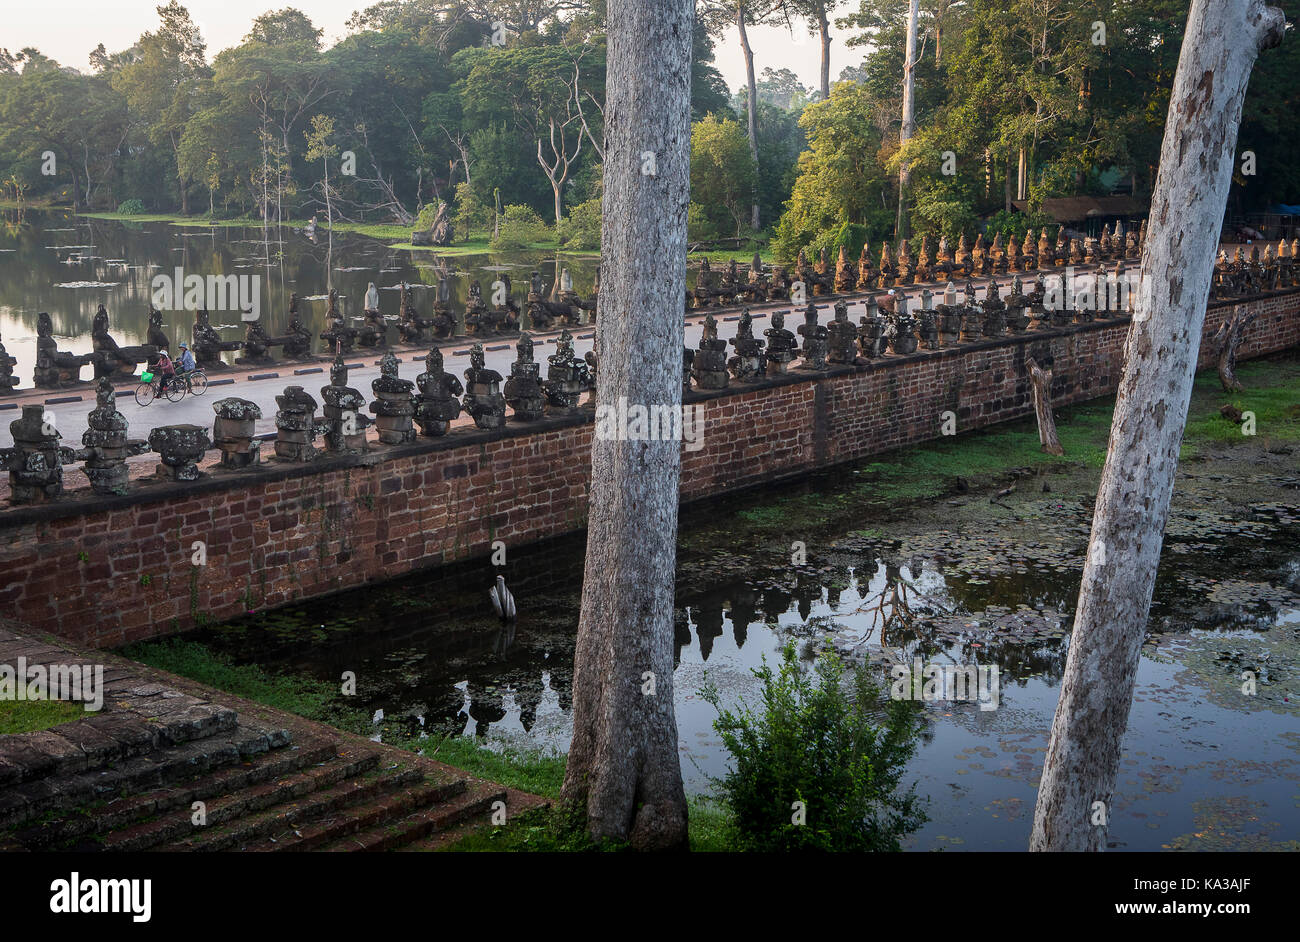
x=623, y=762
x=1040, y=380
x=909, y=117
x=1219, y=49
x=824, y=31
x=752, y=104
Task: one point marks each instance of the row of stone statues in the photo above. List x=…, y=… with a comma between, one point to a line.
x=1245, y=274
x=35, y=461
x=891, y=327
x=902, y=268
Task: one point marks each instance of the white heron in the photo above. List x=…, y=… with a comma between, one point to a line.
x=502, y=600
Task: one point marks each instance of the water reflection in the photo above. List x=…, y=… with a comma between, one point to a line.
x=67, y=265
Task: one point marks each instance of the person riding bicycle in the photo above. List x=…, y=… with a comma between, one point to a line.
x=165, y=368
x=187, y=363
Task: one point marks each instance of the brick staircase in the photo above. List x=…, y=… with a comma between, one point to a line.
x=127, y=778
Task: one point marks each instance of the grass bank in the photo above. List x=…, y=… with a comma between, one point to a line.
x=31, y=716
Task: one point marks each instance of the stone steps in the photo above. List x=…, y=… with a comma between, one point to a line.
x=127, y=810
x=282, y=820
x=357, y=827
x=241, y=805
x=422, y=829
x=48, y=794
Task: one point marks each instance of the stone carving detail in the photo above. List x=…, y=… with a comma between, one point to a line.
x=567, y=377
x=710, y=364
x=296, y=425
x=180, y=448
x=437, y=403
x=841, y=337
x=483, y=398
x=781, y=345
x=374, y=329
x=55, y=368
x=394, y=404
x=338, y=335
x=8, y=381
x=208, y=345
x=901, y=330
x=345, y=425
x=948, y=317
x=35, y=461
x=105, y=445
x=523, y=390
x=233, y=431
x=814, y=340
x=112, y=360
x=747, y=364
x=871, y=331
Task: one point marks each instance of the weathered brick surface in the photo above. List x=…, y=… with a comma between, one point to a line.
x=112, y=570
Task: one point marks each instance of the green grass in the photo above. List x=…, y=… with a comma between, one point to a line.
x=559, y=829
x=1272, y=392
x=29, y=716
x=526, y=770
x=305, y=696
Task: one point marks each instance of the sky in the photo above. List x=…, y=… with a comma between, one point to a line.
x=67, y=30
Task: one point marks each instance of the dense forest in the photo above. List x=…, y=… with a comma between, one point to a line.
x=494, y=107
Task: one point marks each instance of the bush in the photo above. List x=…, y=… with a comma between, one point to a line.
x=581, y=229
x=1014, y=225
x=818, y=745
x=131, y=207
x=520, y=227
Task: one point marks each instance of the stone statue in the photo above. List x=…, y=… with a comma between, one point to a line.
x=105, y=445
x=814, y=340
x=296, y=425
x=394, y=403
x=710, y=364
x=483, y=398
x=112, y=360
x=436, y=404
x=374, y=329
x=842, y=337
x=747, y=364
x=35, y=462
x=54, y=367
x=180, y=449
x=566, y=376
x=345, y=425
x=8, y=381
x=208, y=345
x=871, y=331
x=781, y=345
x=233, y=432
x=297, y=343
x=338, y=334
x=523, y=390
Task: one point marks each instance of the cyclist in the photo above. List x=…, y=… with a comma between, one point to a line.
x=165, y=368
x=187, y=363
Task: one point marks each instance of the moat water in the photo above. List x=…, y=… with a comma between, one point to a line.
x=1205, y=766
x=67, y=265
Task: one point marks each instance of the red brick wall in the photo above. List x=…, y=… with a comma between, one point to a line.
x=108, y=571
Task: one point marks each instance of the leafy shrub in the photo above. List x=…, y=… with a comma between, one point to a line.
x=131, y=207
x=817, y=744
x=580, y=230
x=699, y=227
x=520, y=227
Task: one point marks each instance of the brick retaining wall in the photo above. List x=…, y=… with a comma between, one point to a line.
x=106, y=571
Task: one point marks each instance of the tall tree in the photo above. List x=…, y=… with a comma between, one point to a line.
x=909, y=115
x=1221, y=43
x=623, y=764
x=816, y=15
x=164, y=83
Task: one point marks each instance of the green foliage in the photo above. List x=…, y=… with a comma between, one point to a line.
x=817, y=744
x=1014, y=225
x=30, y=716
x=699, y=227
x=723, y=173
x=521, y=227
x=131, y=207
x=472, y=214
x=580, y=229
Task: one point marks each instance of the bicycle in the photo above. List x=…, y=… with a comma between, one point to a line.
x=150, y=388
x=196, y=381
